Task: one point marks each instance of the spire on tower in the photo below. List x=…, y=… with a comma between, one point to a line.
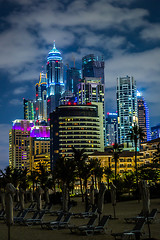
x=54, y=45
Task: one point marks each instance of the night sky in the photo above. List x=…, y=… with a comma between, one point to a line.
x=126, y=32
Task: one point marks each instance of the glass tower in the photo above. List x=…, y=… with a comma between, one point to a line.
x=127, y=107
x=55, y=83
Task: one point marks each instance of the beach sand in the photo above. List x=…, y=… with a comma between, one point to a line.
x=123, y=209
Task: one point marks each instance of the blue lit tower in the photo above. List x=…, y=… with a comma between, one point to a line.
x=55, y=84
x=143, y=117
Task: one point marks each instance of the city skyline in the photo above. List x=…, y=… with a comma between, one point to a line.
x=126, y=33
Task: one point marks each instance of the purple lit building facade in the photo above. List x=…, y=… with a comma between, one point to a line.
x=20, y=142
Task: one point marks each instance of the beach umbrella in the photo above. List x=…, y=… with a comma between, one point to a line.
x=113, y=197
x=47, y=195
x=101, y=199
x=92, y=195
x=17, y=195
x=2, y=195
x=21, y=197
x=39, y=193
x=31, y=195
x=65, y=198
x=10, y=190
x=145, y=196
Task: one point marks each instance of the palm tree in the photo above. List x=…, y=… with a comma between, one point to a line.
x=43, y=175
x=135, y=135
x=116, y=152
x=80, y=162
x=108, y=174
x=96, y=170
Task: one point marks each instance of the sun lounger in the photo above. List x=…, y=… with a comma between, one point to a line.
x=151, y=216
x=2, y=214
x=82, y=228
x=86, y=214
x=135, y=233
x=55, y=213
x=57, y=224
x=100, y=228
x=19, y=218
x=46, y=224
x=31, y=207
x=17, y=206
x=36, y=219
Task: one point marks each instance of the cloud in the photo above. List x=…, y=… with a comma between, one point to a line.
x=151, y=32
x=16, y=102
x=144, y=67
x=20, y=90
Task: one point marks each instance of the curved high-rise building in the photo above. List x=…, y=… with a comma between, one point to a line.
x=55, y=84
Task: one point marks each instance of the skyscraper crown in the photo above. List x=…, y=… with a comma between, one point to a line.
x=54, y=54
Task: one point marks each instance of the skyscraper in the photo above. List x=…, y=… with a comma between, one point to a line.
x=55, y=84
x=73, y=78
x=41, y=99
x=93, y=66
x=91, y=90
x=143, y=117
x=111, y=128
x=28, y=106
x=126, y=106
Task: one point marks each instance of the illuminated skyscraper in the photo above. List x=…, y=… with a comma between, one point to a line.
x=55, y=84
x=91, y=90
x=93, y=66
x=28, y=109
x=143, y=117
x=127, y=107
x=41, y=99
